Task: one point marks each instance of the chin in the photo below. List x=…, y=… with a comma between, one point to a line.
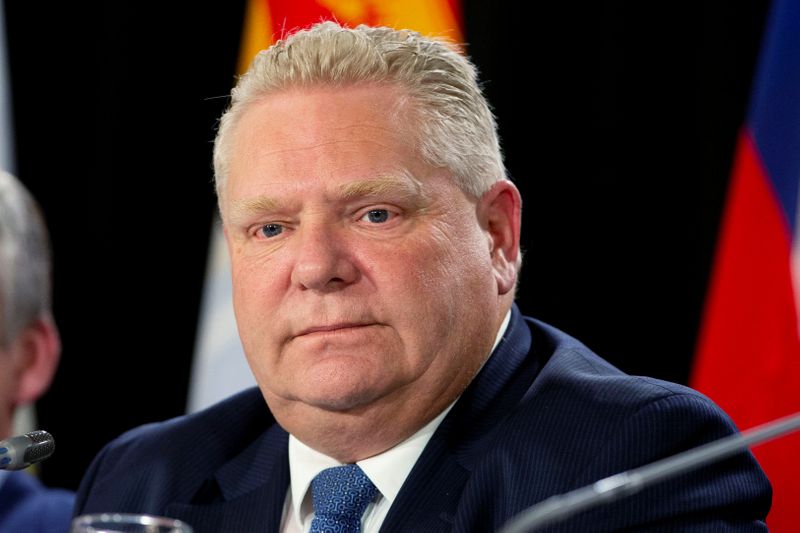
x=342, y=399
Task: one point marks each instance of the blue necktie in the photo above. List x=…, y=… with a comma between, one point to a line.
x=340, y=496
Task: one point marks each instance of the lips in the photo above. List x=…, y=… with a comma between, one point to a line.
x=332, y=328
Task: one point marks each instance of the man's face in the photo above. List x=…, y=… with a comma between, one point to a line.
x=362, y=275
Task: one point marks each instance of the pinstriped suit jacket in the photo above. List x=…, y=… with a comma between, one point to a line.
x=544, y=416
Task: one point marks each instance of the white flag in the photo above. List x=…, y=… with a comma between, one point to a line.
x=219, y=368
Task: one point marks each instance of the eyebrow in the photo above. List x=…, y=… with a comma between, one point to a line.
x=252, y=206
x=408, y=189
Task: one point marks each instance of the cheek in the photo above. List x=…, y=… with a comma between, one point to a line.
x=440, y=278
x=255, y=299
x=458, y=262
x=256, y=277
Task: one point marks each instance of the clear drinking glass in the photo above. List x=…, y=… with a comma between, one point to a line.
x=127, y=523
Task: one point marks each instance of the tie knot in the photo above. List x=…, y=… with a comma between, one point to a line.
x=340, y=495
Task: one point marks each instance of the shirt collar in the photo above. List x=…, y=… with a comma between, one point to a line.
x=387, y=470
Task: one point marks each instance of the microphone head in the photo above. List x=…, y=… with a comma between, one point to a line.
x=42, y=446
x=22, y=451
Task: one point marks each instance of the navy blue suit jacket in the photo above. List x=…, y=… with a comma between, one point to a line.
x=545, y=415
x=27, y=506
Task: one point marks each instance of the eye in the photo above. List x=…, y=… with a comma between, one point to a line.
x=377, y=216
x=271, y=230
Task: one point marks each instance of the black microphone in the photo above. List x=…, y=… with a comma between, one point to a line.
x=563, y=506
x=22, y=451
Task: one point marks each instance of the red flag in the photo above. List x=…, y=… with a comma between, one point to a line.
x=748, y=357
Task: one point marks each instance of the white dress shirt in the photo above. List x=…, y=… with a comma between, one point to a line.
x=387, y=471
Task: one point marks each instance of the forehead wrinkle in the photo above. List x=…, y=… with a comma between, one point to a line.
x=316, y=144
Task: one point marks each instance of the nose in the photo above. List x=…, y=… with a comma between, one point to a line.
x=322, y=262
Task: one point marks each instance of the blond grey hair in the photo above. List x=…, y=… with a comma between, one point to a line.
x=24, y=260
x=454, y=125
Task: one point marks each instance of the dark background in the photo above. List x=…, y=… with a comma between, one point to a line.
x=618, y=122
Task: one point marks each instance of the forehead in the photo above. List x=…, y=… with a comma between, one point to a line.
x=324, y=134
x=304, y=117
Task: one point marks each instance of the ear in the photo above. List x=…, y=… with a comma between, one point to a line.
x=500, y=211
x=36, y=352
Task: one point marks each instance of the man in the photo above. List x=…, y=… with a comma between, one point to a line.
x=374, y=242
x=29, y=352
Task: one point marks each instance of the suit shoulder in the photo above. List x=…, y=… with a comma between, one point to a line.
x=574, y=373
x=238, y=418
x=581, y=420
x=167, y=460
x=592, y=419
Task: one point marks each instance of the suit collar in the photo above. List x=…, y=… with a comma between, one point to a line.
x=258, y=510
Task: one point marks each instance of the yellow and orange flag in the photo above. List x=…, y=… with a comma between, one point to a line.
x=266, y=21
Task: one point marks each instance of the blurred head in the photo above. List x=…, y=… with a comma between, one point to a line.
x=29, y=343
x=373, y=237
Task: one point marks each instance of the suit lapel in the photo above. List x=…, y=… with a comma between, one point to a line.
x=259, y=510
x=247, y=493
x=428, y=499
x=431, y=495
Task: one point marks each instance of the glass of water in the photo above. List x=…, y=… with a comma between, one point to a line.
x=127, y=523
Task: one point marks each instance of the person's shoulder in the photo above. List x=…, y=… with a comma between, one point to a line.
x=165, y=461
x=30, y=506
x=582, y=419
x=239, y=418
x=573, y=372
x=582, y=409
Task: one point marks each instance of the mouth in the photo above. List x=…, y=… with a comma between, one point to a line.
x=333, y=328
